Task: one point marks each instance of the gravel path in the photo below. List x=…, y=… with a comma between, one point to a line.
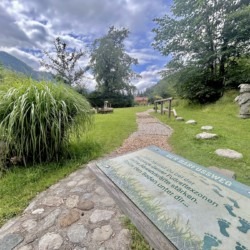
x=77, y=213
x=150, y=132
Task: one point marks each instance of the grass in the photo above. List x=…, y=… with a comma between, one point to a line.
x=231, y=130
x=138, y=242
x=37, y=118
x=20, y=184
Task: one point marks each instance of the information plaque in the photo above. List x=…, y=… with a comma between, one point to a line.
x=194, y=207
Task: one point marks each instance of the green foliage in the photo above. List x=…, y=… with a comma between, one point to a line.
x=163, y=89
x=111, y=65
x=120, y=100
x=195, y=85
x=207, y=36
x=238, y=72
x=37, y=118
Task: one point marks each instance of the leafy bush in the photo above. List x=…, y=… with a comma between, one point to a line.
x=117, y=100
x=238, y=72
x=38, y=118
x=198, y=86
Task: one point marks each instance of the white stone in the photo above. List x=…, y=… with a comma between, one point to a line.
x=80, y=248
x=229, y=153
x=101, y=215
x=103, y=233
x=87, y=196
x=83, y=182
x=244, y=88
x=207, y=127
x=50, y=241
x=77, y=233
x=52, y=201
x=205, y=135
x=29, y=224
x=38, y=211
x=27, y=247
x=71, y=183
x=101, y=191
x=179, y=118
x=191, y=122
x=72, y=201
x=107, y=201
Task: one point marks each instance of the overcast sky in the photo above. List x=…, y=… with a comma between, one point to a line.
x=30, y=26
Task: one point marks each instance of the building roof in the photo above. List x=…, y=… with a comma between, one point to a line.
x=141, y=98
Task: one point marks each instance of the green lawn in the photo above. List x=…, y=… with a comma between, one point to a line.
x=20, y=184
x=233, y=133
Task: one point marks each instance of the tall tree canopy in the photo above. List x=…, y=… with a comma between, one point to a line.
x=110, y=63
x=205, y=36
x=64, y=64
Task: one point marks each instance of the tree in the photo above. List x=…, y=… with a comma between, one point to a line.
x=111, y=65
x=64, y=63
x=204, y=35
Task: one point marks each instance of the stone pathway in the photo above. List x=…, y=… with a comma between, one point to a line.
x=77, y=213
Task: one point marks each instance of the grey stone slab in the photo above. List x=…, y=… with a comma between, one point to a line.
x=29, y=225
x=50, y=241
x=193, y=206
x=10, y=241
x=49, y=220
x=228, y=153
x=77, y=233
x=72, y=201
x=52, y=201
x=101, y=215
x=86, y=205
x=103, y=233
x=206, y=136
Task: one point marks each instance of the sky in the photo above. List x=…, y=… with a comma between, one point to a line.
x=28, y=27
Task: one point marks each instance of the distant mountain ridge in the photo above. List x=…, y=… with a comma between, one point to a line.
x=12, y=63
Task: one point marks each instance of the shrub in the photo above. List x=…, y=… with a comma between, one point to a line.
x=37, y=119
x=117, y=100
x=198, y=86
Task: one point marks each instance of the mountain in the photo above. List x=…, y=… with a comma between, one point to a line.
x=12, y=63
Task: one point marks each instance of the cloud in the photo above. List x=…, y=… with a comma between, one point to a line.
x=11, y=34
x=144, y=55
x=149, y=77
x=31, y=27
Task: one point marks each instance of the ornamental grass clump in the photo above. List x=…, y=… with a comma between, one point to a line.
x=38, y=118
